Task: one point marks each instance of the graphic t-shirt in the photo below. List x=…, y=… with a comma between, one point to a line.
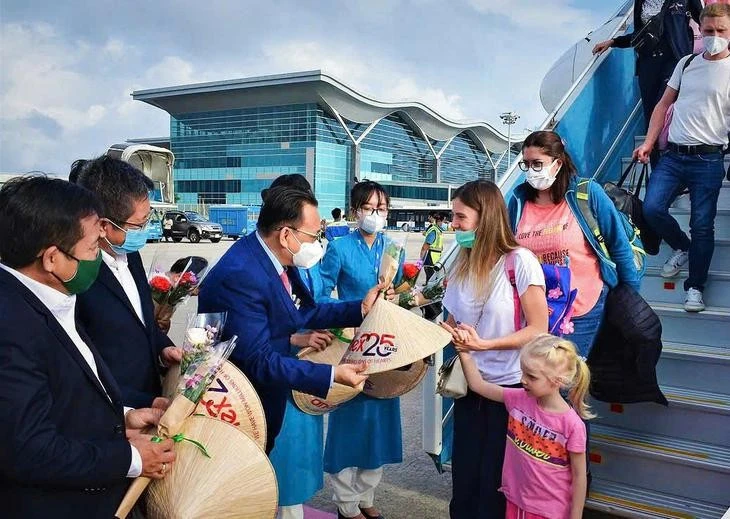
x=536, y=474
x=554, y=235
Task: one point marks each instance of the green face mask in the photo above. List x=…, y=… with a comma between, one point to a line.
x=86, y=274
x=465, y=239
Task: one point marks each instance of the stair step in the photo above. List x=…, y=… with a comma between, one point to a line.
x=698, y=470
x=723, y=200
x=720, y=258
x=655, y=288
x=722, y=221
x=708, y=328
x=693, y=415
x=630, y=501
x=704, y=368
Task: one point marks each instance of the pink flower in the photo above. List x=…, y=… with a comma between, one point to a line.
x=193, y=381
x=567, y=327
x=554, y=293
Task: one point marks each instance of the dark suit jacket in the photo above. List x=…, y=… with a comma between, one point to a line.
x=245, y=284
x=129, y=347
x=63, y=451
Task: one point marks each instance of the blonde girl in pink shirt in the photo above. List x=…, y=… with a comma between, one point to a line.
x=543, y=475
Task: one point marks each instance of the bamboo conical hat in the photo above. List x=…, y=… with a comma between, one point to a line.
x=338, y=393
x=391, y=337
x=396, y=382
x=231, y=398
x=237, y=481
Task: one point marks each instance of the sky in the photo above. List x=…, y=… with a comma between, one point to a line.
x=67, y=68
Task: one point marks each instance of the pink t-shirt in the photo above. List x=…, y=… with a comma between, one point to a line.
x=553, y=234
x=536, y=473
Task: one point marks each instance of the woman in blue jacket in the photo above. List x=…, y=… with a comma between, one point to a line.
x=546, y=219
x=364, y=434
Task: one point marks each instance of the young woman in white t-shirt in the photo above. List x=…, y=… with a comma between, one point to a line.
x=479, y=300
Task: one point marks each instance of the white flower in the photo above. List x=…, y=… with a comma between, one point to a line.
x=197, y=336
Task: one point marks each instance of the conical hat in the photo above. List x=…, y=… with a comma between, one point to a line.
x=231, y=398
x=391, y=337
x=338, y=393
x=237, y=481
x=396, y=382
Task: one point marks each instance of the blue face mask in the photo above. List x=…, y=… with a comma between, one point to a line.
x=465, y=239
x=134, y=239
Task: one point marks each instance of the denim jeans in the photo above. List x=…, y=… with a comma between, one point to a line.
x=702, y=175
x=586, y=326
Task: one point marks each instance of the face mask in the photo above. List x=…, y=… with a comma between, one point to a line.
x=541, y=180
x=715, y=44
x=372, y=223
x=465, y=239
x=86, y=274
x=444, y=227
x=308, y=255
x=134, y=239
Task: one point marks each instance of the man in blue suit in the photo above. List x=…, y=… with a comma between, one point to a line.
x=258, y=283
x=67, y=446
x=117, y=311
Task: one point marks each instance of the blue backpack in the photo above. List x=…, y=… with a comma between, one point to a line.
x=559, y=296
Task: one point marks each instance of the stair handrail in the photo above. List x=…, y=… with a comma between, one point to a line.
x=552, y=118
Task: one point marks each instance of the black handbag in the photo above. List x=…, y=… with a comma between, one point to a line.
x=626, y=199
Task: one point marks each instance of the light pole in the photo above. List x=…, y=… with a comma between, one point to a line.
x=509, y=118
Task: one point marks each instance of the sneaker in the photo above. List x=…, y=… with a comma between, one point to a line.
x=693, y=302
x=675, y=263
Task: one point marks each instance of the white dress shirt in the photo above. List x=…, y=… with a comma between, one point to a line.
x=63, y=308
x=120, y=268
x=279, y=269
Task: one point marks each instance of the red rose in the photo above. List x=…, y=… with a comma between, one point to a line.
x=188, y=278
x=410, y=270
x=160, y=284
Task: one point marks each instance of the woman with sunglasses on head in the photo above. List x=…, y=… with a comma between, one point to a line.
x=546, y=219
x=365, y=433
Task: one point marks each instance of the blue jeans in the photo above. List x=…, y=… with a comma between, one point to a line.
x=702, y=175
x=585, y=327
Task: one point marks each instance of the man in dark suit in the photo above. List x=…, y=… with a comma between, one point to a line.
x=67, y=446
x=258, y=283
x=117, y=311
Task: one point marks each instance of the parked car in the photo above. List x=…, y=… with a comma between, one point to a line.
x=193, y=226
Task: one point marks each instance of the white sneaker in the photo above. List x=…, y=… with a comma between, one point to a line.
x=693, y=301
x=675, y=263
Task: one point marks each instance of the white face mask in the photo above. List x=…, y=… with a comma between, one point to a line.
x=308, y=255
x=372, y=223
x=541, y=180
x=715, y=44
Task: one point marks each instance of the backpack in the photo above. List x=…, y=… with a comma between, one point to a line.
x=626, y=210
x=559, y=296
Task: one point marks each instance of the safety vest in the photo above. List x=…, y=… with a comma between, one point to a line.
x=437, y=246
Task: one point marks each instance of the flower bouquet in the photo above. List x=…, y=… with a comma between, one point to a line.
x=393, y=254
x=408, y=277
x=431, y=292
x=174, y=286
x=201, y=338
x=191, y=387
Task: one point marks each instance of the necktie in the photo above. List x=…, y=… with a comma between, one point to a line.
x=285, y=280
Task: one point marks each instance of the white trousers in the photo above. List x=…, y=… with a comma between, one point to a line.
x=355, y=488
x=290, y=512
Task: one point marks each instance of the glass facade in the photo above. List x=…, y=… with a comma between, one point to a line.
x=229, y=156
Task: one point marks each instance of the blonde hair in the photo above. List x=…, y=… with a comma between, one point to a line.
x=715, y=11
x=494, y=237
x=562, y=362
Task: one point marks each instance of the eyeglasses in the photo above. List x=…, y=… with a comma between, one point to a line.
x=132, y=226
x=319, y=235
x=380, y=212
x=536, y=165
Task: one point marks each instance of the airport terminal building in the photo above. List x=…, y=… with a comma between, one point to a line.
x=232, y=138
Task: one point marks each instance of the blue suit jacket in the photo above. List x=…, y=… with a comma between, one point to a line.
x=129, y=347
x=245, y=284
x=63, y=451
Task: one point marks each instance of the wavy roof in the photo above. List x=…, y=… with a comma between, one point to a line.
x=315, y=86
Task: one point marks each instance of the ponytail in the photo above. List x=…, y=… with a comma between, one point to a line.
x=579, y=389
